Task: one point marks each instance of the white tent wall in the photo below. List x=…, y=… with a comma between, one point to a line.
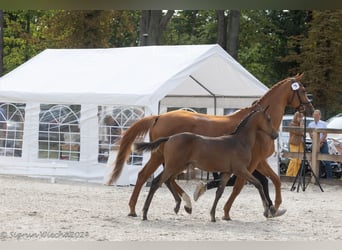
x=214, y=106
x=151, y=78
x=86, y=169
x=30, y=164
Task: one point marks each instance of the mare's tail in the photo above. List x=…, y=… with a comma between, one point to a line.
x=138, y=129
x=149, y=146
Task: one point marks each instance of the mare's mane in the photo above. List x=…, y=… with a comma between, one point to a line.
x=270, y=91
x=257, y=102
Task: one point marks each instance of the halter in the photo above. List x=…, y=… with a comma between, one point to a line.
x=295, y=87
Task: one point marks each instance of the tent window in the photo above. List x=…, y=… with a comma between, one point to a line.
x=12, y=116
x=59, y=132
x=228, y=111
x=195, y=110
x=113, y=121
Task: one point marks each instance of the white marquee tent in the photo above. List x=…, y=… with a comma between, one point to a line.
x=77, y=88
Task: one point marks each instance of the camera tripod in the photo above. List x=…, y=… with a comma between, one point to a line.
x=304, y=168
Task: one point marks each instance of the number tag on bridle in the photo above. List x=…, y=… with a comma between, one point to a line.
x=295, y=86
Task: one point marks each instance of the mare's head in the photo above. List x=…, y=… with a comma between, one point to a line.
x=298, y=98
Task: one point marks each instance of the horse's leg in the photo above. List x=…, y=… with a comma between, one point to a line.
x=266, y=170
x=175, y=195
x=249, y=177
x=264, y=182
x=163, y=177
x=185, y=197
x=154, y=186
x=239, y=183
x=219, y=192
x=153, y=163
x=143, y=175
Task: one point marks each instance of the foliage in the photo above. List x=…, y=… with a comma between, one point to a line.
x=91, y=29
x=321, y=61
x=125, y=29
x=264, y=43
x=191, y=27
x=78, y=29
x=21, y=38
x=26, y=32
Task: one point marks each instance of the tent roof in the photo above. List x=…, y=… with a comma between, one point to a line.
x=128, y=76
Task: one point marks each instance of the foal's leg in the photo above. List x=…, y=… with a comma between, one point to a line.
x=185, y=197
x=170, y=183
x=219, y=192
x=154, y=162
x=175, y=195
x=267, y=211
x=266, y=170
x=156, y=183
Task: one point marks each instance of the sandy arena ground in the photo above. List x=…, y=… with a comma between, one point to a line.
x=35, y=209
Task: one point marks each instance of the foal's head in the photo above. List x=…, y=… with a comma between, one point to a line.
x=265, y=124
x=261, y=120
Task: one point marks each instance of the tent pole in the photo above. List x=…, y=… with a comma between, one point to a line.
x=211, y=93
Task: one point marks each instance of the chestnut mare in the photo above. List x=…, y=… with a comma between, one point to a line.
x=229, y=154
x=278, y=97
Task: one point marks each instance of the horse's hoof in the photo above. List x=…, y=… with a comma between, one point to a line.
x=268, y=214
x=176, y=210
x=188, y=209
x=272, y=211
x=144, y=216
x=200, y=189
x=213, y=220
x=132, y=214
x=226, y=218
x=279, y=212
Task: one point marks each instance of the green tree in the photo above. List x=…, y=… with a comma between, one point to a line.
x=153, y=23
x=321, y=61
x=22, y=39
x=292, y=25
x=125, y=29
x=2, y=21
x=264, y=42
x=78, y=29
x=26, y=33
x=257, y=45
x=228, y=27
x=191, y=27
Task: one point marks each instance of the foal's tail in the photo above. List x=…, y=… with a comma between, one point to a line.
x=150, y=146
x=139, y=128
